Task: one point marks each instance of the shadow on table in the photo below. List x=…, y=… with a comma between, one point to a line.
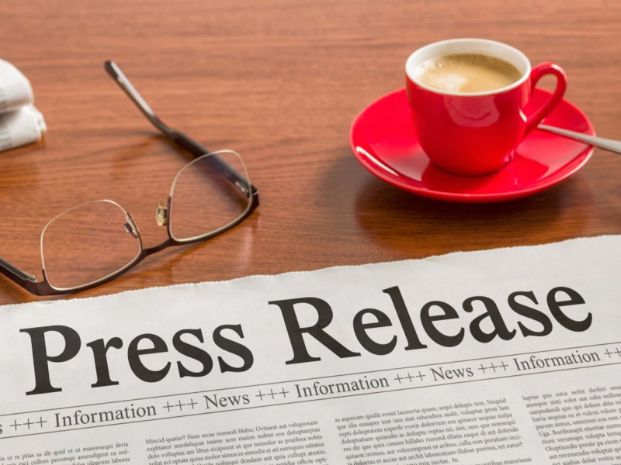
x=392, y=216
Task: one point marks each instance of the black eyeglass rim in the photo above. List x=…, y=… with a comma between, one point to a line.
x=145, y=252
x=44, y=288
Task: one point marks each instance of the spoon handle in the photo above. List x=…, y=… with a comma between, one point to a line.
x=606, y=144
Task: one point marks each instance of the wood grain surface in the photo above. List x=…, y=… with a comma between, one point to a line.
x=280, y=82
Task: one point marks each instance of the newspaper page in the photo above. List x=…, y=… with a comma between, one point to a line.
x=497, y=357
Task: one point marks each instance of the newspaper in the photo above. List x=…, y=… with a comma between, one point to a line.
x=15, y=88
x=23, y=126
x=20, y=122
x=498, y=357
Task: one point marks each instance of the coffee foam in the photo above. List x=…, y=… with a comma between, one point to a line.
x=466, y=73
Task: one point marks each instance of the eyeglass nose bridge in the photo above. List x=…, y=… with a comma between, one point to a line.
x=161, y=215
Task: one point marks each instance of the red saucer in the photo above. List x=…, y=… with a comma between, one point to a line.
x=384, y=141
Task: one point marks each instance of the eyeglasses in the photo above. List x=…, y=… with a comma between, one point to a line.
x=95, y=242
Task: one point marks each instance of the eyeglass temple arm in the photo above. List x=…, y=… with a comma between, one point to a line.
x=25, y=280
x=182, y=140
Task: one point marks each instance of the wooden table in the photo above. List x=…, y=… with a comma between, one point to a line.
x=280, y=82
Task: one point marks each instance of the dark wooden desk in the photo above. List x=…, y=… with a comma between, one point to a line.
x=281, y=81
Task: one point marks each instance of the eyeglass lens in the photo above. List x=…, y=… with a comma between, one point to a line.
x=97, y=239
x=204, y=200
x=87, y=243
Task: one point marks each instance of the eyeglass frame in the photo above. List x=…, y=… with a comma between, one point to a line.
x=44, y=288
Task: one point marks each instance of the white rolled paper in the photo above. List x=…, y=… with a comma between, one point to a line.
x=20, y=127
x=15, y=88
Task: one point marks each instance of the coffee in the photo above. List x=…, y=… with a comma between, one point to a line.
x=466, y=73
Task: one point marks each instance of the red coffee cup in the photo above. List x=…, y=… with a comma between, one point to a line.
x=472, y=134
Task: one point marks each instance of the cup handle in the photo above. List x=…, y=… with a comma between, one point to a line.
x=561, y=84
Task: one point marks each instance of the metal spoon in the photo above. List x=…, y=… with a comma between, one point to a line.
x=606, y=144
